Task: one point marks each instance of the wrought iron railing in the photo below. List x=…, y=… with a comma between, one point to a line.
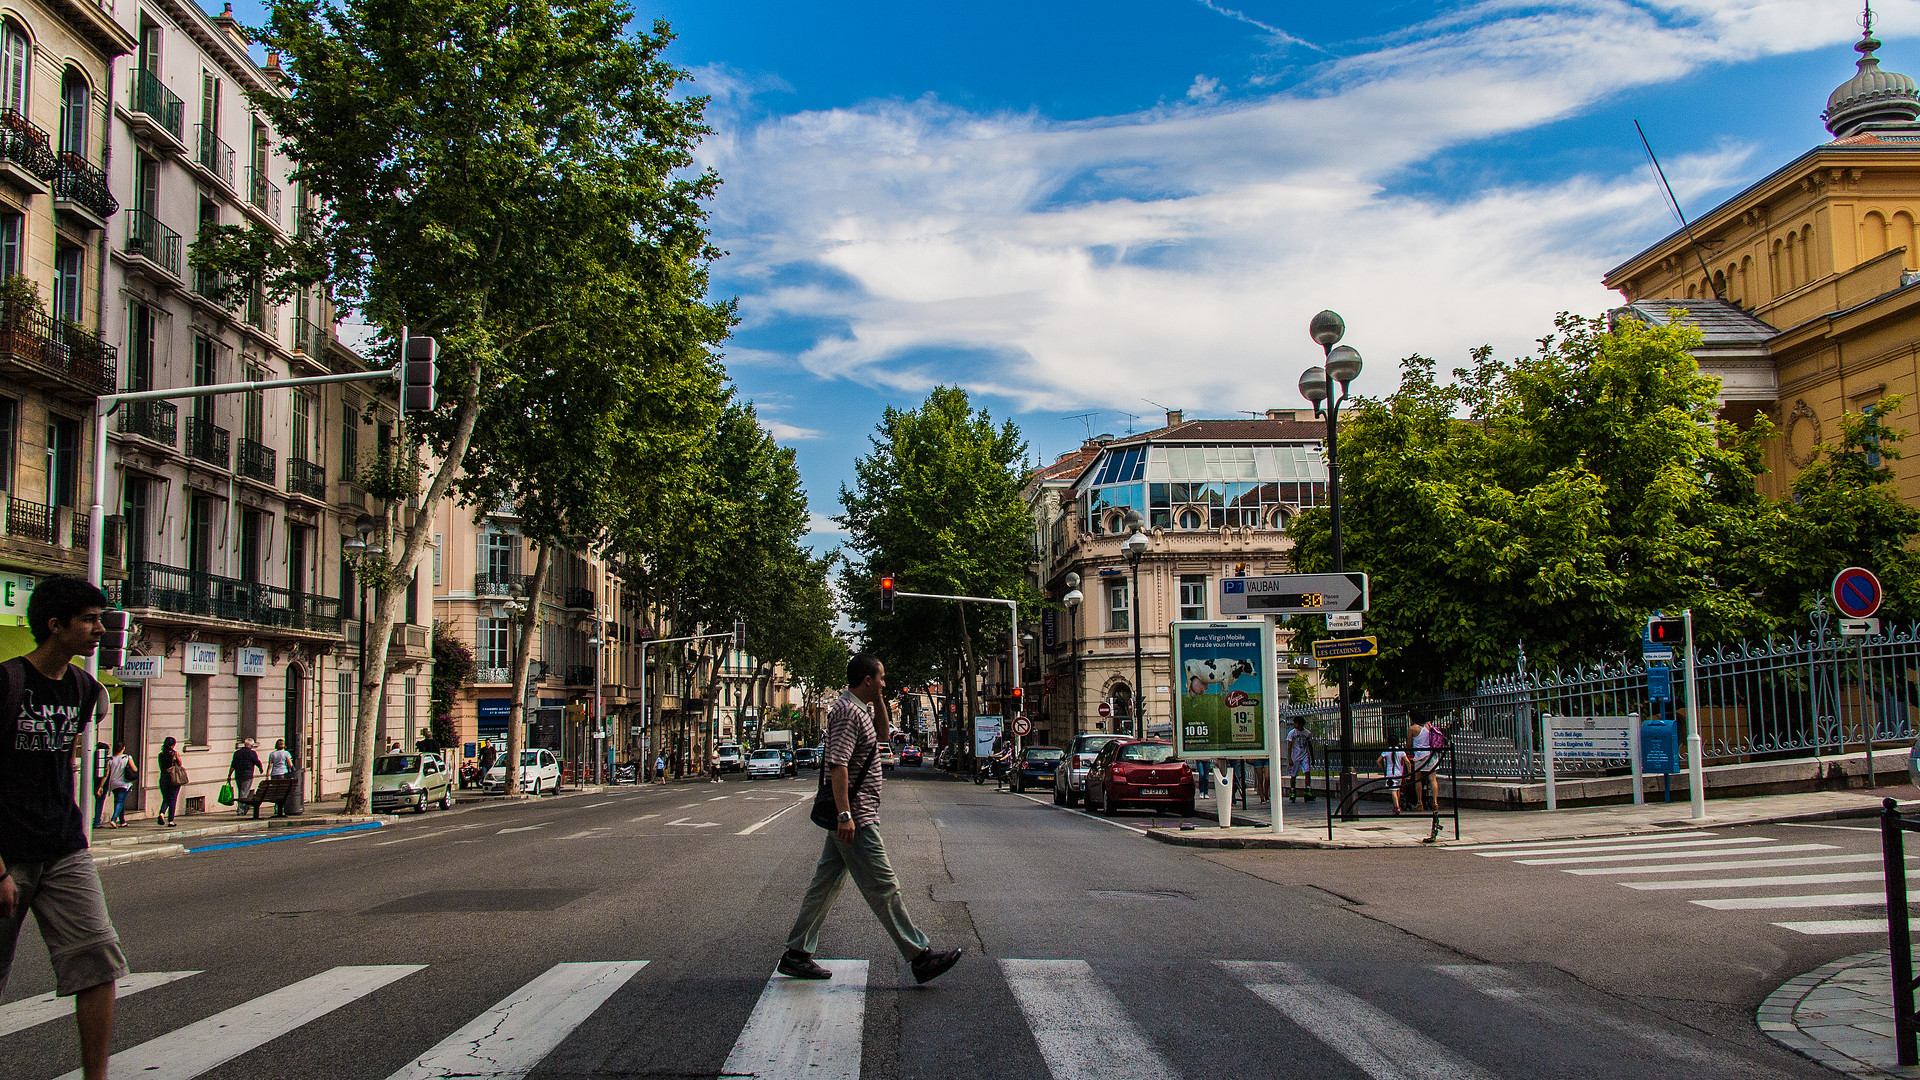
x=56, y=347
x=488, y=584
x=156, y=420
x=257, y=461
x=80, y=181
x=210, y=285
x=208, y=442
x=213, y=155
x=493, y=675
x=262, y=193
x=306, y=478
x=580, y=675
x=25, y=143
x=149, y=239
x=193, y=592
x=577, y=597
x=151, y=96
x=30, y=520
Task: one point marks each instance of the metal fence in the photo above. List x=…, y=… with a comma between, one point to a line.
x=1802, y=696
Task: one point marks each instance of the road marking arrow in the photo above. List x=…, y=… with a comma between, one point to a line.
x=696, y=824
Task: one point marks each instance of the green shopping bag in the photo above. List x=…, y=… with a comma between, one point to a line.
x=226, y=794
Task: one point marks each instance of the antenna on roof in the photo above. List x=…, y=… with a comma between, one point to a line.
x=1085, y=418
x=1131, y=417
x=1677, y=212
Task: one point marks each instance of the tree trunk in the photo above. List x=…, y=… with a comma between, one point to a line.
x=522, y=660
x=396, y=576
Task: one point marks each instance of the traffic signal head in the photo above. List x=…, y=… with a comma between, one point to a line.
x=740, y=634
x=1665, y=631
x=113, y=644
x=1019, y=699
x=886, y=594
x=416, y=374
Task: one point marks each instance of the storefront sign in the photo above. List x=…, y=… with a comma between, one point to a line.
x=14, y=591
x=252, y=662
x=1228, y=689
x=200, y=659
x=493, y=715
x=141, y=668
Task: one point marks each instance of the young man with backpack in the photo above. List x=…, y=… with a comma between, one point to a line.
x=45, y=866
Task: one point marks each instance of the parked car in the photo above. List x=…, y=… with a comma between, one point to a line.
x=1139, y=772
x=732, y=758
x=411, y=781
x=1037, y=765
x=539, y=773
x=807, y=757
x=886, y=758
x=1070, y=779
x=770, y=764
x=910, y=756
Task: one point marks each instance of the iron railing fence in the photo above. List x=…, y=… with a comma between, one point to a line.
x=194, y=592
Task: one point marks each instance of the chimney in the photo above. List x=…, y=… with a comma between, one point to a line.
x=1173, y=417
x=1279, y=414
x=226, y=22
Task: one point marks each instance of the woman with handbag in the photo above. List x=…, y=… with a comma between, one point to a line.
x=173, y=777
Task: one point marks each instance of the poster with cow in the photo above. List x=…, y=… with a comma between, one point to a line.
x=1223, y=706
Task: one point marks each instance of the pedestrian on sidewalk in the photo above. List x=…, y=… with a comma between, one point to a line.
x=240, y=773
x=173, y=777
x=1418, y=761
x=45, y=866
x=121, y=773
x=660, y=767
x=713, y=764
x=487, y=758
x=850, y=774
x=1300, y=759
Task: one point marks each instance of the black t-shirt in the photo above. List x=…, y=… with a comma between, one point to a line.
x=39, y=820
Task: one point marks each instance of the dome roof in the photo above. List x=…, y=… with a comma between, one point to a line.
x=1871, y=96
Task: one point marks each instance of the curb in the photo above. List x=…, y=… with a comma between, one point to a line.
x=108, y=842
x=150, y=851
x=1775, y=1017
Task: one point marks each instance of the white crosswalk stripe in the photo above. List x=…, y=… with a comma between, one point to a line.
x=1763, y=903
x=1716, y=853
x=508, y=1040
x=1845, y=926
x=1635, y=839
x=1675, y=868
x=1611, y=848
x=220, y=1038
x=1377, y=1043
x=34, y=1011
x=805, y=1028
x=1083, y=1031
x=1750, y=882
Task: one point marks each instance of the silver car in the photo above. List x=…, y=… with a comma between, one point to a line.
x=1070, y=776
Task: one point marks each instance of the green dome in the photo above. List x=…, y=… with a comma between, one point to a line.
x=1871, y=96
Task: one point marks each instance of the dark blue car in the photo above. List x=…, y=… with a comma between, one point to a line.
x=1036, y=767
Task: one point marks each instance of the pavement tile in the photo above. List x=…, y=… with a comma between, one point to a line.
x=1840, y=1015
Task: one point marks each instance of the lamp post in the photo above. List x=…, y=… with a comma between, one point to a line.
x=1136, y=546
x=364, y=525
x=1073, y=599
x=1316, y=385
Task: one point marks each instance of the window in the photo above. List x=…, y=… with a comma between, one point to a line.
x=252, y=530
x=1119, y=617
x=1193, y=596
x=148, y=57
x=13, y=229
x=134, y=502
x=67, y=287
x=349, y=442
x=299, y=543
x=206, y=372
x=343, y=705
x=436, y=559
x=9, y=431
x=141, y=325
x=349, y=595
x=76, y=101
x=494, y=645
x=253, y=408
x=63, y=461
x=209, y=104
x=409, y=700
x=1190, y=519
x=200, y=533
x=302, y=425
x=413, y=600
x=199, y=708
x=503, y=556
x=16, y=66
x=249, y=708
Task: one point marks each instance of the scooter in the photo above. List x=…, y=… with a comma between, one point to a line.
x=626, y=773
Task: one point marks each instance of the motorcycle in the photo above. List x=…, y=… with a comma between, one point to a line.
x=469, y=776
x=626, y=773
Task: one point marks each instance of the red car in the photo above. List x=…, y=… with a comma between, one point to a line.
x=1139, y=772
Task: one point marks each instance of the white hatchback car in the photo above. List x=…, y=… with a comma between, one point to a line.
x=766, y=763
x=539, y=773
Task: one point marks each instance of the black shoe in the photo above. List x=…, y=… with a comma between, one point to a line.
x=798, y=965
x=930, y=965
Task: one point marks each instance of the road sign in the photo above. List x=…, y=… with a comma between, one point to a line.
x=1022, y=726
x=1293, y=594
x=1106, y=709
x=1346, y=648
x=1344, y=620
x=1225, y=705
x=1659, y=683
x=1859, y=627
x=1650, y=654
x=1856, y=592
x=1592, y=738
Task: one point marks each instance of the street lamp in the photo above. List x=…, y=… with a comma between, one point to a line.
x=1073, y=600
x=1316, y=385
x=1136, y=546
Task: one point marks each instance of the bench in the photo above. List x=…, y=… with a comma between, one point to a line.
x=275, y=789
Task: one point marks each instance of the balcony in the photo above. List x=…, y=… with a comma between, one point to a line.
x=156, y=420
x=410, y=644
x=309, y=336
x=306, y=478
x=155, y=105
x=263, y=316
x=210, y=285
x=192, y=592
x=492, y=675
x=580, y=675
x=578, y=598
x=261, y=193
x=152, y=241
x=487, y=584
x=30, y=520
x=55, y=355
x=109, y=529
x=80, y=186
x=213, y=155
x=208, y=442
x=257, y=461
x=26, y=158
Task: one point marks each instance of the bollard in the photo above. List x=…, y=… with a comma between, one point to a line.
x=1899, y=933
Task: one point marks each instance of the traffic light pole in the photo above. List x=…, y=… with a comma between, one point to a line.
x=1013, y=629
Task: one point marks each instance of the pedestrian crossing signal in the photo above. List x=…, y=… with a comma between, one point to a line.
x=1668, y=632
x=886, y=594
x=113, y=644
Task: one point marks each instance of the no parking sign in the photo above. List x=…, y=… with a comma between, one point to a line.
x=1856, y=592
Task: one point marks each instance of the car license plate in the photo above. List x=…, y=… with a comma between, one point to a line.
x=1153, y=791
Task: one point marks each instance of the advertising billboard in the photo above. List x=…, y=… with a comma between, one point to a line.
x=1225, y=705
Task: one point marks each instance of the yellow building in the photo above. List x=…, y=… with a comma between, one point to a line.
x=1803, y=283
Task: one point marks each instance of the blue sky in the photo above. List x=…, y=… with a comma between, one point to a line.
x=1072, y=206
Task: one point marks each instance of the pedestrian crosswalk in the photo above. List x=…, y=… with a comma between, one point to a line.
x=1086, y=1020
x=1643, y=862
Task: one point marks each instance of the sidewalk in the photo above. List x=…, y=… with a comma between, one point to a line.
x=1840, y=1015
x=1306, y=822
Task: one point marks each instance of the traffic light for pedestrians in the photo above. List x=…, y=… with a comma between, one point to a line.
x=886, y=594
x=1668, y=632
x=113, y=643
x=416, y=375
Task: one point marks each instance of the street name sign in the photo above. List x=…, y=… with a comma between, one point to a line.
x=1346, y=648
x=1293, y=594
x=1856, y=592
x=1344, y=620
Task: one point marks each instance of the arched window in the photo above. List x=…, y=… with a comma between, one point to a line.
x=1690, y=295
x=1720, y=283
x=1190, y=518
x=1903, y=237
x=1873, y=235
x=16, y=66
x=1806, y=254
x=1744, y=296
x=1774, y=280
x=76, y=101
x=1793, y=261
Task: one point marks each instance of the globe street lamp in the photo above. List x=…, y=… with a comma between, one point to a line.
x=1316, y=385
x=1073, y=599
x=1136, y=546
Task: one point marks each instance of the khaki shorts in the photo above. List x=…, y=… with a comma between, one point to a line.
x=71, y=909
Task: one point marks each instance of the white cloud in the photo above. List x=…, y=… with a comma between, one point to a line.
x=822, y=525
x=785, y=432
x=1177, y=253
x=1205, y=88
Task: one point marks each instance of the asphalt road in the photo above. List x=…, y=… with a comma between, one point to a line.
x=634, y=933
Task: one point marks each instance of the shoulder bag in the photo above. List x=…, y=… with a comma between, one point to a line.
x=825, y=813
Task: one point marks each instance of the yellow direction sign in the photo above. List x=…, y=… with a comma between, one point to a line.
x=1346, y=648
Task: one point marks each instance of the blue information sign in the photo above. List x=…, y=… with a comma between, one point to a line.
x=1659, y=683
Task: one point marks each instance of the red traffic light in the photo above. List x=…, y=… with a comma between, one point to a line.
x=1665, y=631
x=886, y=593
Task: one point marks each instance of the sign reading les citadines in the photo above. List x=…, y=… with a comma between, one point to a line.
x=1227, y=689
